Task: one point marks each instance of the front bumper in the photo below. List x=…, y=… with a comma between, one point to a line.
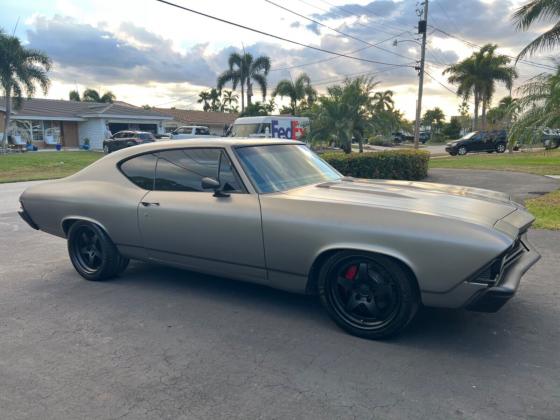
x=451, y=149
x=27, y=218
x=494, y=297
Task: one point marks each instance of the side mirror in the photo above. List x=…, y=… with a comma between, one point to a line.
x=208, y=183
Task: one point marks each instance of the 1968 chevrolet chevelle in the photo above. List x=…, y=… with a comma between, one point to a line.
x=272, y=212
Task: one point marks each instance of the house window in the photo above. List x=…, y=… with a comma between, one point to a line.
x=37, y=130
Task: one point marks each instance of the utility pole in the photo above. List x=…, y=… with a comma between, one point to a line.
x=422, y=29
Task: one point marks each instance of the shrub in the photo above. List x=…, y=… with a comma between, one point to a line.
x=379, y=141
x=397, y=164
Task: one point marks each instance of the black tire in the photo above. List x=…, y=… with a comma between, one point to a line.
x=453, y=153
x=501, y=148
x=368, y=295
x=92, y=253
x=462, y=151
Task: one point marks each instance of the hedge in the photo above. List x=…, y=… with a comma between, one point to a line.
x=392, y=164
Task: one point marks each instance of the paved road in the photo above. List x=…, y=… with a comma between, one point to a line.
x=160, y=343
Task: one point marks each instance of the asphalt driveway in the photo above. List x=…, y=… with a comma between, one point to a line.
x=160, y=343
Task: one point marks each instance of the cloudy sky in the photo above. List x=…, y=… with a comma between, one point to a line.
x=147, y=52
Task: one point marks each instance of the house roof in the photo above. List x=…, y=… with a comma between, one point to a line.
x=77, y=111
x=189, y=117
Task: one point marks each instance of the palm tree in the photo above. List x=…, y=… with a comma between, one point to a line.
x=383, y=100
x=74, y=95
x=345, y=113
x=229, y=100
x=477, y=76
x=91, y=95
x=215, y=100
x=243, y=70
x=20, y=70
x=434, y=118
x=297, y=90
x=539, y=107
x=535, y=11
x=204, y=98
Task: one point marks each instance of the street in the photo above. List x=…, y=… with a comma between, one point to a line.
x=161, y=343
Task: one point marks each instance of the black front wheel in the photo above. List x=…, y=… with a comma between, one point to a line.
x=501, y=148
x=462, y=151
x=368, y=295
x=92, y=253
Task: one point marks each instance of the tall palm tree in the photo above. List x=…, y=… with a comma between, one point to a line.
x=535, y=11
x=20, y=70
x=215, y=100
x=243, y=71
x=74, y=95
x=91, y=95
x=204, y=98
x=383, y=100
x=477, y=76
x=297, y=90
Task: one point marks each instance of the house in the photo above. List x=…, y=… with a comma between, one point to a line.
x=46, y=122
x=215, y=121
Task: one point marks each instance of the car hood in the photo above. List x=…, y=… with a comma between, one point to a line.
x=473, y=205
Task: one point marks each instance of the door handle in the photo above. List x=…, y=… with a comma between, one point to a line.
x=147, y=203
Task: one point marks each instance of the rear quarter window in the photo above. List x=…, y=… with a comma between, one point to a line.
x=140, y=170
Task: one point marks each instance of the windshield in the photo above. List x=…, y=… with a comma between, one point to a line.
x=280, y=167
x=244, y=130
x=469, y=135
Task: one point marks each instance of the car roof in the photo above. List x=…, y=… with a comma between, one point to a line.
x=208, y=141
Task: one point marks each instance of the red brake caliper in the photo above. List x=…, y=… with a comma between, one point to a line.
x=351, y=272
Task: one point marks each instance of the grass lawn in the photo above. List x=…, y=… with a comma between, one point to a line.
x=546, y=209
x=539, y=163
x=43, y=165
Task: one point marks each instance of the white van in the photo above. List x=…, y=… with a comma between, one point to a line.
x=190, y=132
x=276, y=126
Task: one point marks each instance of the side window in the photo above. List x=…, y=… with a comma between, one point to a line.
x=141, y=170
x=202, y=131
x=229, y=180
x=117, y=136
x=183, y=170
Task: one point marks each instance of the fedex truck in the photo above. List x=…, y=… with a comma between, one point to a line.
x=276, y=126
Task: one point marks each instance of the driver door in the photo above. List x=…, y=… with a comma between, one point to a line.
x=184, y=225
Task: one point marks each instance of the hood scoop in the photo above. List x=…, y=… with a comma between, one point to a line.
x=370, y=189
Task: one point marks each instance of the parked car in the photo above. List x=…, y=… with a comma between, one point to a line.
x=551, y=138
x=272, y=212
x=190, y=132
x=124, y=139
x=478, y=141
x=401, y=137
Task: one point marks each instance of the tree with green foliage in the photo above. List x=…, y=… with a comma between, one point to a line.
x=21, y=70
x=538, y=11
x=91, y=95
x=345, y=113
x=477, y=75
x=383, y=101
x=435, y=119
x=243, y=70
x=74, y=95
x=297, y=90
x=204, y=99
x=453, y=129
x=539, y=107
x=229, y=100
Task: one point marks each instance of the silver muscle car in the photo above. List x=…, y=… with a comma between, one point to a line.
x=272, y=212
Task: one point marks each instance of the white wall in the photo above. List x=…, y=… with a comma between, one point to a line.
x=94, y=130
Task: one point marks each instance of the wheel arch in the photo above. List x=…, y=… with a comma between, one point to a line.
x=67, y=223
x=323, y=255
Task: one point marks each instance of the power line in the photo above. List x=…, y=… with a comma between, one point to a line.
x=351, y=75
x=473, y=45
x=337, y=31
x=334, y=58
x=351, y=15
x=441, y=84
x=277, y=36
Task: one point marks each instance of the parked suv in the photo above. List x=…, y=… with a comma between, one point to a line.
x=124, y=139
x=400, y=137
x=478, y=141
x=190, y=132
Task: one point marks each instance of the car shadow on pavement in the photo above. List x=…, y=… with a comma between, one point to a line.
x=433, y=328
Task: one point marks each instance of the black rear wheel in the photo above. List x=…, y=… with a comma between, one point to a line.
x=368, y=295
x=92, y=253
x=500, y=148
